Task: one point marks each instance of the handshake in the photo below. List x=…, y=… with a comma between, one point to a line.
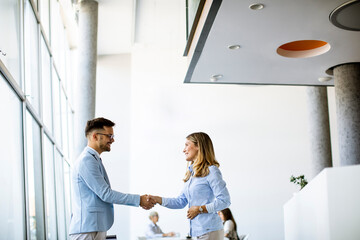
x=148, y=201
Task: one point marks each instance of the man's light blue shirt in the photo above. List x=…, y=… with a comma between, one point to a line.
x=210, y=191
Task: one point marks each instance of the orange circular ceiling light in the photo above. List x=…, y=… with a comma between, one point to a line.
x=303, y=48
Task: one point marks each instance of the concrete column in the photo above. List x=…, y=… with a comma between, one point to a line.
x=347, y=94
x=85, y=88
x=319, y=129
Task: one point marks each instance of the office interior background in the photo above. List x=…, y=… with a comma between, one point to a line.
x=260, y=133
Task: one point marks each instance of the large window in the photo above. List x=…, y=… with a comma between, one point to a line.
x=12, y=221
x=31, y=57
x=64, y=123
x=37, y=115
x=67, y=191
x=49, y=180
x=56, y=106
x=46, y=86
x=45, y=16
x=34, y=178
x=61, y=198
x=10, y=37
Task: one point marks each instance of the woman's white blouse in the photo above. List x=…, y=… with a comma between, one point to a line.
x=229, y=228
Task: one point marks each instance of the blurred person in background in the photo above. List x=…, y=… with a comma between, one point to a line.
x=153, y=230
x=230, y=231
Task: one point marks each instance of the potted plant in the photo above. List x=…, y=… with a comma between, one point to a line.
x=300, y=180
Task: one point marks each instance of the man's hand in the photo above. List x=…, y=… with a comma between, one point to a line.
x=146, y=202
x=155, y=199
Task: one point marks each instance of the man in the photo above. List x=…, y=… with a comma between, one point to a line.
x=93, y=198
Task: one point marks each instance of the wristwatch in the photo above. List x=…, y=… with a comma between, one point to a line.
x=201, y=210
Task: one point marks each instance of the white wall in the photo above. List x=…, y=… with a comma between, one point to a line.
x=260, y=134
x=113, y=102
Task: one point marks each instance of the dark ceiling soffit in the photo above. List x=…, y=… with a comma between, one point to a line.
x=330, y=84
x=203, y=36
x=194, y=26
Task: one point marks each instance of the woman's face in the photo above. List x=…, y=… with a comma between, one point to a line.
x=190, y=150
x=221, y=216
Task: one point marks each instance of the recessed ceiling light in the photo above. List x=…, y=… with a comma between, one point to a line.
x=256, y=6
x=234, y=47
x=303, y=48
x=346, y=16
x=324, y=79
x=215, y=77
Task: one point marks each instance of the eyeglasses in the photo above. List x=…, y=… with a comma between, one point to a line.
x=110, y=136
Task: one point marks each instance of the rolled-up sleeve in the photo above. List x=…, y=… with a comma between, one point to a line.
x=218, y=186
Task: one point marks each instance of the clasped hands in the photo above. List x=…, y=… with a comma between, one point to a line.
x=148, y=201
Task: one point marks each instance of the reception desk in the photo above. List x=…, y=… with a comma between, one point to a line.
x=328, y=208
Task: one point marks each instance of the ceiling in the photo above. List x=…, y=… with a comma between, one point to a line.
x=260, y=32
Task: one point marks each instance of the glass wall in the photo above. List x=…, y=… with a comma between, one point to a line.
x=35, y=82
x=45, y=16
x=61, y=196
x=10, y=40
x=46, y=86
x=64, y=123
x=31, y=38
x=67, y=187
x=34, y=178
x=49, y=181
x=56, y=106
x=12, y=221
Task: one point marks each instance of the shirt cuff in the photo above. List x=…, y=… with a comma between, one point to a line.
x=210, y=208
x=164, y=202
x=137, y=200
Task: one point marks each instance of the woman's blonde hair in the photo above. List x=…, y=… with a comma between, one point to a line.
x=205, y=157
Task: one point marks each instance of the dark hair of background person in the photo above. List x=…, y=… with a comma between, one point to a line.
x=228, y=216
x=97, y=123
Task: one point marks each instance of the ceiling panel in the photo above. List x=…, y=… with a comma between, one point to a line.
x=261, y=32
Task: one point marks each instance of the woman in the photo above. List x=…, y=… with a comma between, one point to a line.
x=204, y=190
x=229, y=224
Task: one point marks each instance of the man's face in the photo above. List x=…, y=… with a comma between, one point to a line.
x=105, y=139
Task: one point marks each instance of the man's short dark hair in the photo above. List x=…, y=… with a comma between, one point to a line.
x=97, y=123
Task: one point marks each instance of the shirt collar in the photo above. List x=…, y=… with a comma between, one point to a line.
x=92, y=151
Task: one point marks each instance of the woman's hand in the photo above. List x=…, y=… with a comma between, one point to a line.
x=156, y=199
x=193, y=212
